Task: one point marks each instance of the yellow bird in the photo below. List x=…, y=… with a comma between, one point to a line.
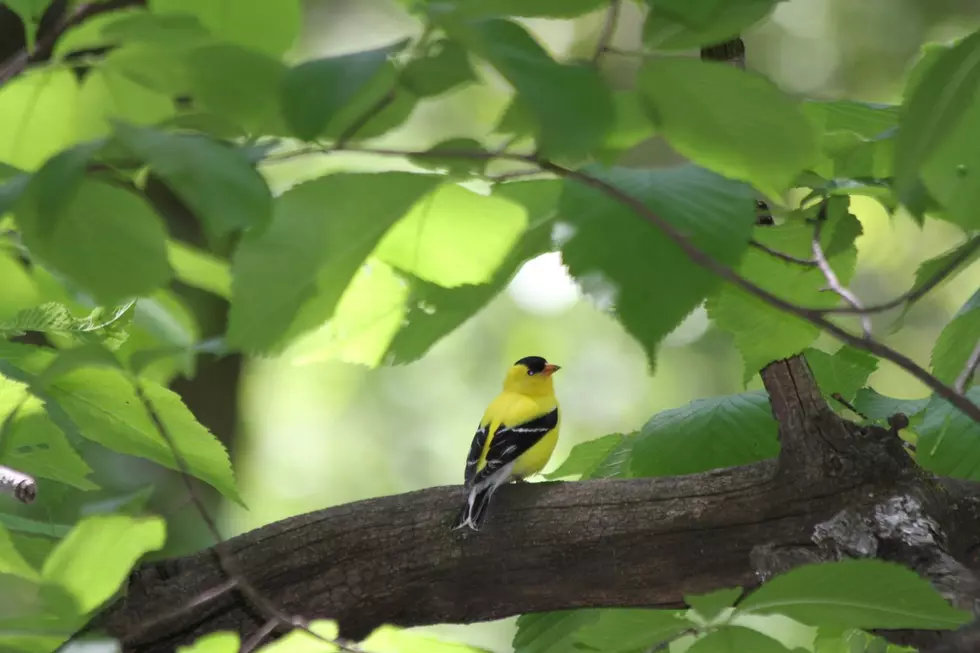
x=515, y=439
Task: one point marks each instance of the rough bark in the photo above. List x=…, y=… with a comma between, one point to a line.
x=836, y=490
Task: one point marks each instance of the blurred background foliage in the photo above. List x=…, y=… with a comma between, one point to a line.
x=327, y=422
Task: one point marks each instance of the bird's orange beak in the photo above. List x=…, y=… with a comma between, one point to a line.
x=550, y=369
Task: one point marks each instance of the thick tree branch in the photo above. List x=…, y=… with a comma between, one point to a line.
x=640, y=542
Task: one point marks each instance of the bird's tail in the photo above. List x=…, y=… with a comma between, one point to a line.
x=474, y=511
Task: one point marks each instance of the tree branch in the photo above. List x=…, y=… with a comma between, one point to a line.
x=963, y=380
x=828, y=272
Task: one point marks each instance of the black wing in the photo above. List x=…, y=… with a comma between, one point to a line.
x=476, y=448
x=510, y=442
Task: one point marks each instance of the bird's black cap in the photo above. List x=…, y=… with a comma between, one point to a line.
x=534, y=363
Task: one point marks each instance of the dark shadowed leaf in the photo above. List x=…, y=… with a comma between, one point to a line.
x=315, y=92
x=551, y=632
x=706, y=434
x=878, y=407
x=626, y=630
x=734, y=122
x=320, y=234
x=856, y=594
x=216, y=181
x=445, y=67
x=622, y=260
x=949, y=441
x=572, y=109
x=107, y=239
x=935, y=106
x=269, y=27
x=673, y=25
x=585, y=457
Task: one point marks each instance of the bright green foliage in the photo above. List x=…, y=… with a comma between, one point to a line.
x=627, y=630
x=679, y=25
x=214, y=180
x=264, y=26
x=705, y=434
x=763, y=333
x=11, y=560
x=957, y=342
x=708, y=606
x=200, y=269
x=586, y=457
x=94, y=559
x=929, y=269
x=571, y=108
x=856, y=594
x=732, y=639
x=216, y=642
x=843, y=373
x=948, y=171
x=37, y=110
x=107, y=239
x=948, y=440
x=622, y=260
x=935, y=107
x=735, y=123
x=524, y=8
x=296, y=258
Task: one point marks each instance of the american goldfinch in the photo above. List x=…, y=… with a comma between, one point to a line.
x=515, y=439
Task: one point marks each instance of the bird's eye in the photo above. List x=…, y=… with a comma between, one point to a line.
x=530, y=372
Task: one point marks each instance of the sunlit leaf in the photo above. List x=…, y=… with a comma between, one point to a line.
x=11, y=560
x=217, y=642
x=108, y=95
x=622, y=260
x=270, y=27
x=950, y=171
x=627, y=630
x=454, y=236
x=706, y=434
x=216, y=181
x=733, y=122
x=301, y=641
x=107, y=239
x=957, y=342
x=763, y=333
x=708, y=606
x=571, y=107
x=98, y=554
x=199, y=269
x=320, y=234
x=856, y=594
x=37, y=110
x=388, y=639
x=949, y=441
x=735, y=639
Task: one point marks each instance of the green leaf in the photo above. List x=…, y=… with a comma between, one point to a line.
x=844, y=372
x=52, y=317
x=718, y=22
x=102, y=406
x=97, y=556
x=108, y=94
x=108, y=240
x=454, y=237
x=200, y=269
x=217, y=182
x=159, y=29
x=388, y=639
x=216, y=642
x=434, y=311
x=736, y=639
x=19, y=292
x=30, y=13
x=617, y=463
x=730, y=121
x=445, y=66
x=957, y=341
x=11, y=560
x=38, y=110
x=707, y=434
x=16, y=524
x=710, y=605
x=630, y=630
x=618, y=257
x=863, y=594
x=525, y=8
x=269, y=27
x=572, y=109
x=966, y=253
x=763, y=333
x=13, y=182
x=950, y=171
x=237, y=83
x=320, y=234
x=585, y=457
x=949, y=441
x=453, y=166
x=551, y=632
x=935, y=107
x=316, y=92
x=630, y=128
x=862, y=118
x=878, y=407
x=57, y=182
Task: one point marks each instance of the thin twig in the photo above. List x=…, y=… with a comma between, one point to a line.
x=608, y=31
x=789, y=258
x=833, y=282
x=17, y=484
x=839, y=398
x=258, y=636
x=201, y=599
x=969, y=369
